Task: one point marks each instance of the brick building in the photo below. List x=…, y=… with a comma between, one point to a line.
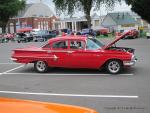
x=35, y=16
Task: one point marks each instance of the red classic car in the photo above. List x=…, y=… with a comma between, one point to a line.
x=77, y=52
x=132, y=34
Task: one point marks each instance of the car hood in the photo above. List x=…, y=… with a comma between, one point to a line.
x=8, y=105
x=116, y=40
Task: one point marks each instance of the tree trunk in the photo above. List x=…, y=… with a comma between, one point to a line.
x=88, y=17
x=3, y=28
x=87, y=6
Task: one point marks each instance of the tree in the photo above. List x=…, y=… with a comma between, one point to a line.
x=70, y=6
x=8, y=9
x=141, y=7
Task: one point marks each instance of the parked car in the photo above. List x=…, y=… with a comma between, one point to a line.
x=78, y=33
x=42, y=35
x=65, y=30
x=8, y=105
x=24, y=30
x=77, y=52
x=133, y=33
x=102, y=31
x=148, y=35
x=56, y=32
x=4, y=38
x=24, y=37
x=87, y=31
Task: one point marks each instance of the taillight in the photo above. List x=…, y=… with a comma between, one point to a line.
x=13, y=52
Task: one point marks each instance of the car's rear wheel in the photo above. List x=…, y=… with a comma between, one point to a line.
x=41, y=66
x=114, y=66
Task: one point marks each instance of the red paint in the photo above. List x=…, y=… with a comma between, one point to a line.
x=72, y=58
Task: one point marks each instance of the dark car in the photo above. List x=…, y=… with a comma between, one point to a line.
x=102, y=31
x=88, y=32
x=24, y=37
x=43, y=35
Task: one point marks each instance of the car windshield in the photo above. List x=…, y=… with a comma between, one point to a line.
x=94, y=44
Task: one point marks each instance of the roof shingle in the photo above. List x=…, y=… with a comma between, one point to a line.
x=122, y=18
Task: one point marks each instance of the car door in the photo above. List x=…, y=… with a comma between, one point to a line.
x=80, y=57
x=59, y=50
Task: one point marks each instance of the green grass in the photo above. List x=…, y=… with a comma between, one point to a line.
x=102, y=36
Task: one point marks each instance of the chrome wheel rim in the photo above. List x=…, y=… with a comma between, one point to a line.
x=41, y=66
x=114, y=66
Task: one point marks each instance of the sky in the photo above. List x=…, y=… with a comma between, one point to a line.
x=118, y=8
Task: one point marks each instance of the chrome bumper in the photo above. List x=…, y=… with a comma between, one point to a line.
x=130, y=63
x=13, y=59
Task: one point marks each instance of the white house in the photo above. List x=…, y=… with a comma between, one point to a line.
x=144, y=25
x=77, y=24
x=119, y=21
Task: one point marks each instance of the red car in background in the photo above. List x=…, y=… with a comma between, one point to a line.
x=132, y=34
x=103, y=31
x=77, y=52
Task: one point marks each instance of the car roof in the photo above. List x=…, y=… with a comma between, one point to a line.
x=68, y=38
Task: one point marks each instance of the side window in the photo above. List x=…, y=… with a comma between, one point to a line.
x=46, y=46
x=60, y=45
x=76, y=44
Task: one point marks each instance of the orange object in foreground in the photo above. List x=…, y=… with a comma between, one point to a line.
x=25, y=106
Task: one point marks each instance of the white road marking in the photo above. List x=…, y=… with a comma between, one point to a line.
x=70, y=95
x=12, y=69
x=9, y=63
x=57, y=74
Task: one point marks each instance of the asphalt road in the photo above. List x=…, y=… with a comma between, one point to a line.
x=128, y=92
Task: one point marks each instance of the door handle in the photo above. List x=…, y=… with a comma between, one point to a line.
x=69, y=52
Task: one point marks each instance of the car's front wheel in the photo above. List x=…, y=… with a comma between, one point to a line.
x=114, y=66
x=41, y=66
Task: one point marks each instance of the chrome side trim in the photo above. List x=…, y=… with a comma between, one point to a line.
x=13, y=59
x=65, y=51
x=53, y=57
x=130, y=63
